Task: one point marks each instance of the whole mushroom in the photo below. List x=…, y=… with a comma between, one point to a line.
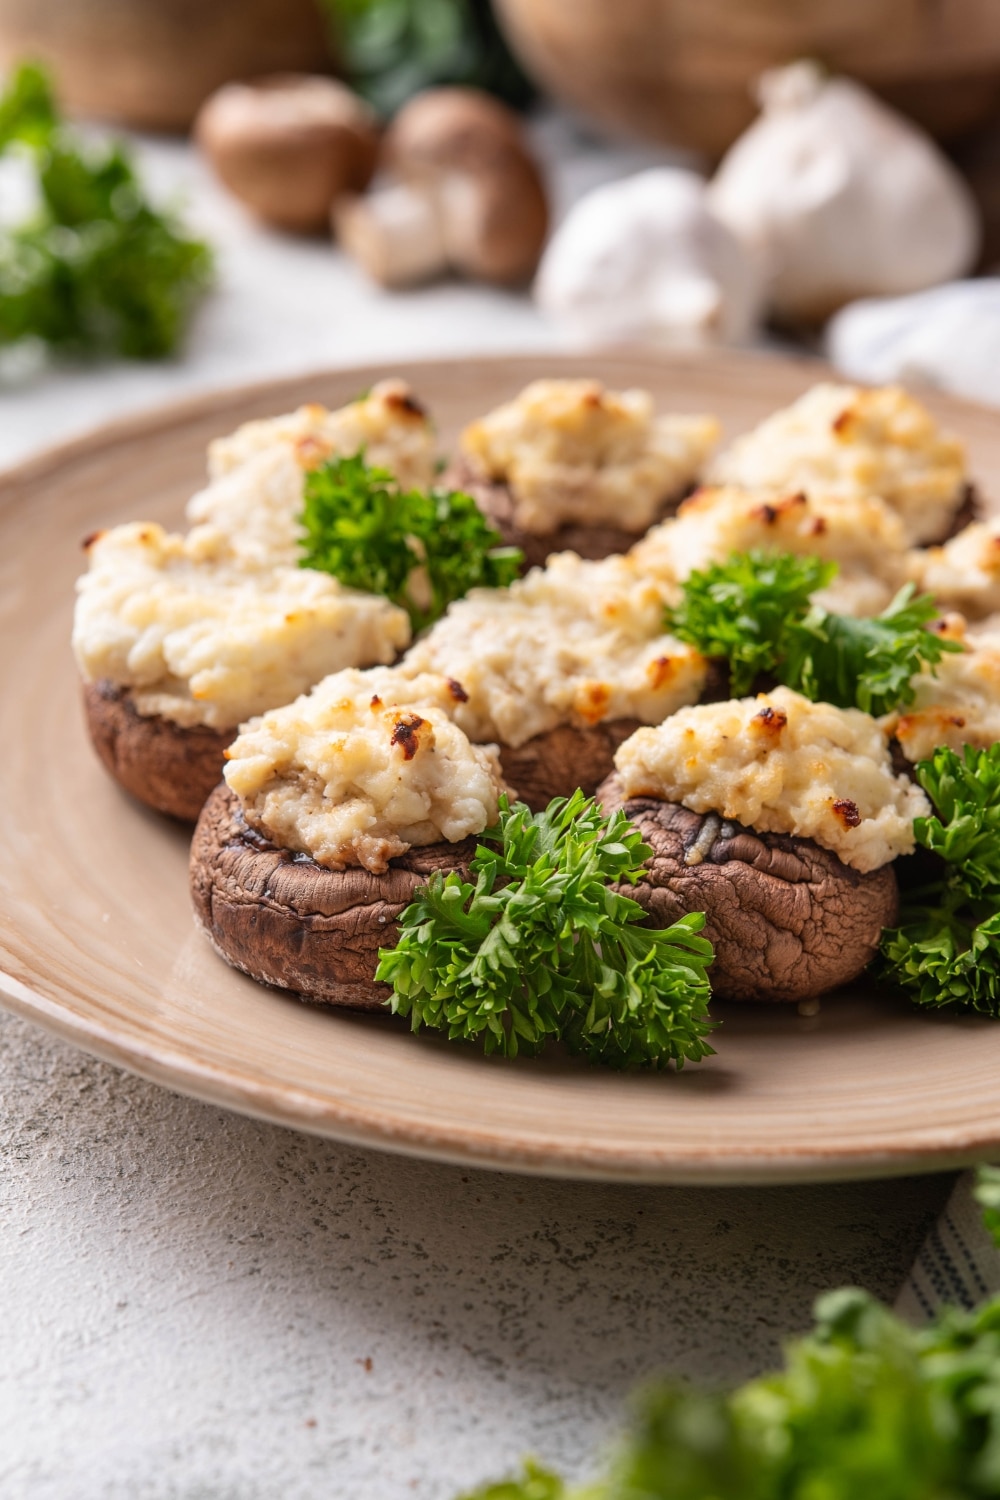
x=289, y=146
x=466, y=194
x=787, y=918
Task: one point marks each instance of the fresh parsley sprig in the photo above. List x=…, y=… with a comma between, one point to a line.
x=394, y=48
x=740, y=609
x=96, y=270
x=965, y=830
x=420, y=548
x=942, y=956
x=946, y=949
x=866, y=663
x=756, y=612
x=541, y=947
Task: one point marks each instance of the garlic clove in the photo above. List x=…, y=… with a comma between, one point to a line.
x=688, y=302
x=947, y=337
x=842, y=197
x=645, y=258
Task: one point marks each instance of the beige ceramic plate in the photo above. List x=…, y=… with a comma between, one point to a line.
x=97, y=940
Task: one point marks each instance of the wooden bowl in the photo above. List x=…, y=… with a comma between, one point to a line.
x=681, y=71
x=152, y=63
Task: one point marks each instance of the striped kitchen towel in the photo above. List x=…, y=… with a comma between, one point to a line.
x=958, y=1263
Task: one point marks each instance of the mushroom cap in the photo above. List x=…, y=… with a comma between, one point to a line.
x=496, y=501
x=787, y=918
x=470, y=152
x=452, y=127
x=289, y=145
x=165, y=765
x=555, y=763
x=287, y=921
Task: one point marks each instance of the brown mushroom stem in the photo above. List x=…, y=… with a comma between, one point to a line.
x=287, y=921
x=168, y=767
x=787, y=918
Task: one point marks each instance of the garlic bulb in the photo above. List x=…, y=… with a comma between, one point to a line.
x=948, y=337
x=842, y=196
x=645, y=258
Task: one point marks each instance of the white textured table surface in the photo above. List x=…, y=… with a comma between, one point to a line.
x=195, y=1306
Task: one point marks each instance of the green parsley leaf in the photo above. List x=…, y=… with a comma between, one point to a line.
x=741, y=609
x=542, y=948
x=942, y=956
x=987, y=1195
x=965, y=789
x=863, y=663
x=946, y=949
x=534, y=1483
x=97, y=270
x=394, y=48
x=27, y=109
x=755, y=611
x=421, y=549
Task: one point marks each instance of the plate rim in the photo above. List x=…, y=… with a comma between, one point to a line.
x=370, y=1130
x=160, y=414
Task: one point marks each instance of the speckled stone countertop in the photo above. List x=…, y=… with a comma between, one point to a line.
x=195, y=1306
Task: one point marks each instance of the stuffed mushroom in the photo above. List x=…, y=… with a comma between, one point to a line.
x=181, y=637
x=956, y=703
x=860, y=533
x=843, y=441
x=779, y=819
x=559, y=668
x=570, y=466
x=177, y=649
x=334, y=809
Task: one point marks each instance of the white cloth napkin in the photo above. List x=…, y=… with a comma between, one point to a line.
x=948, y=337
x=958, y=1263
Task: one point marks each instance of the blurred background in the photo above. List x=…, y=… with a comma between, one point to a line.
x=197, y=192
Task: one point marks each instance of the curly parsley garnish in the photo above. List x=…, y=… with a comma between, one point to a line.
x=96, y=270
x=755, y=611
x=420, y=548
x=741, y=610
x=542, y=948
x=946, y=948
